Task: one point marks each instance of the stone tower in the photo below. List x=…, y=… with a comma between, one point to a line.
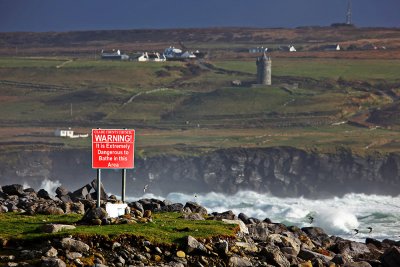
x=264, y=65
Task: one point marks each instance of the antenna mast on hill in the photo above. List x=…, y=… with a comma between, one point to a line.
x=348, y=14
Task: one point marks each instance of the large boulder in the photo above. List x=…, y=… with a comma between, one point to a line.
x=43, y=194
x=52, y=262
x=61, y=191
x=391, y=257
x=74, y=245
x=318, y=236
x=229, y=215
x=259, y=231
x=275, y=257
x=94, y=215
x=81, y=193
x=103, y=194
x=54, y=228
x=14, y=189
x=193, y=246
x=354, y=249
x=195, y=208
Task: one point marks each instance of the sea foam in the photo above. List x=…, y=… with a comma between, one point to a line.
x=337, y=216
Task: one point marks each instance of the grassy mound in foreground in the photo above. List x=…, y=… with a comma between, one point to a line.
x=166, y=228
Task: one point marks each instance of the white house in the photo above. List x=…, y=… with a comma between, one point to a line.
x=335, y=47
x=258, y=49
x=289, y=48
x=172, y=53
x=64, y=133
x=156, y=57
x=69, y=133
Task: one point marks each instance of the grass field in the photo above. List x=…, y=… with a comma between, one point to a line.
x=165, y=228
x=185, y=108
x=316, y=68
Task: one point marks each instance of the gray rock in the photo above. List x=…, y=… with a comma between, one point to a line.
x=192, y=245
x=136, y=206
x=103, y=194
x=94, y=214
x=391, y=257
x=289, y=240
x=341, y=259
x=244, y=218
x=353, y=249
x=317, y=235
x=14, y=189
x=306, y=254
x=275, y=257
x=175, y=207
x=121, y=260
x=52, y=262
x=73, y=255
x=318, y=263
x=242, y=227
x=357, y=264
x=259, y=231
x=30, y=254
x=193, y=217
x=196, y=208
x=52, y=210
x=3, y=209
x=78, y=208
x=61, y=191
x=50, y=252
x=54, y=228
x=376, y=243
x=81, y=193
x=65, y=198
x=74, y=245
x=228, y=215
x=43, y=194
x=223, y=247
x=236, y=261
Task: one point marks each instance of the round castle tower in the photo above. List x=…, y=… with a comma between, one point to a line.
x=264, y=65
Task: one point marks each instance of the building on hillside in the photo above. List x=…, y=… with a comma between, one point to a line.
x=172, y=53
x=335, y=47
x=113, y=55
x=264, y=70
x=155, y=57
x=260, y=49
x=69, y=133
x=288, y=48
x=64, y=132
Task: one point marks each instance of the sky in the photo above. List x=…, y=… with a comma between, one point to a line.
x=69, y=15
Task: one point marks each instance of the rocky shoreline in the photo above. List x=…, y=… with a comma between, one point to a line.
x=257, y=243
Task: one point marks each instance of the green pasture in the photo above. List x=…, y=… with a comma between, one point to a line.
x=166, y=228
x=196, y=109
x=348, y=69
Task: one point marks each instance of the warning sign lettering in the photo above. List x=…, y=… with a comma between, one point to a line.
x=113, y=148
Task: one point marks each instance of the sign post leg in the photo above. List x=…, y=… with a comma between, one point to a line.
x=123, y=184
x=98, y=187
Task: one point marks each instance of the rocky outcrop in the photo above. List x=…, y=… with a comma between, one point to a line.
x=281, y=171
x=256, y=244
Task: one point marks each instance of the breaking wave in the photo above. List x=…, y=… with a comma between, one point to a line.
x=337, y=216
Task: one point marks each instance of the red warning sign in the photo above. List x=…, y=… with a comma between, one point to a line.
x=113, y=148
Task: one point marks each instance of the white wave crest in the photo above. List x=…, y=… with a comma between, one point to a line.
x=50, y=186
x=337, y=216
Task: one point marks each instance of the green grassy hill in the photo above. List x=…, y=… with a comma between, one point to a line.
x=194, y=105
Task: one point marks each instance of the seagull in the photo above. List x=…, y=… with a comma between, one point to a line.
x=370, y=229
x=356, y=230
x=311, y=218
x=145, y=188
